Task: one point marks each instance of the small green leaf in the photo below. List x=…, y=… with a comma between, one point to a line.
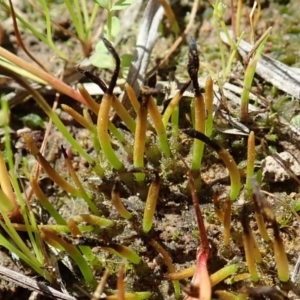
x=101, y=58
x=33, y=121
x=126, y=60
x=122, y=4
x=103, y=3
x=125, y=63
x=115, y=26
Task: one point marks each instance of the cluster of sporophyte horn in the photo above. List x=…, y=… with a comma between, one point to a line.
x=135, y=141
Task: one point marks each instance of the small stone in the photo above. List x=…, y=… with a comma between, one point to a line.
x=276, y=168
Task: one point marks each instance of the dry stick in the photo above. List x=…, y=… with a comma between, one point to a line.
x=168, y=261
x=19, y=39
x=219, y=212
x=100, y=287
x=120, y=284
x=181, y=38
x=31, y=284
x=238, y=18
x=227, y=221
x=233, y=19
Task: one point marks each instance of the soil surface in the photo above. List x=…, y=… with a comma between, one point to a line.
x=175, y=225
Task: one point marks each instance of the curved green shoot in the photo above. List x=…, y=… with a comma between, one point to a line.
x=55, y=240
x=103, y=136
x=173, y=103
x=159, y=127
x=140, y=138
x=117, y=202
x=209, y=97
x=150, y=205
x=228, y=160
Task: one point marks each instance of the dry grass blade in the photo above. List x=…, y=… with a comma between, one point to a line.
x=31, y=284
x=19, y=39
x=100, y=288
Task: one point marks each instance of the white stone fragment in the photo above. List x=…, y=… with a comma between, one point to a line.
x=276, y=168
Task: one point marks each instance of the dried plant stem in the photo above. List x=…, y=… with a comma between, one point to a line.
x=168, y=261
x=79, y=185
x=45, y=202
x=100, y=286
x=120, y=284
x=238, y=18
x=49, y=170
x=55, y=240
x=227, y=221
x=219, y=212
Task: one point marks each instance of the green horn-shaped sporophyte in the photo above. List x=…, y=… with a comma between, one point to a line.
x=151, y=201
x=226, y=158
x=198, y=104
